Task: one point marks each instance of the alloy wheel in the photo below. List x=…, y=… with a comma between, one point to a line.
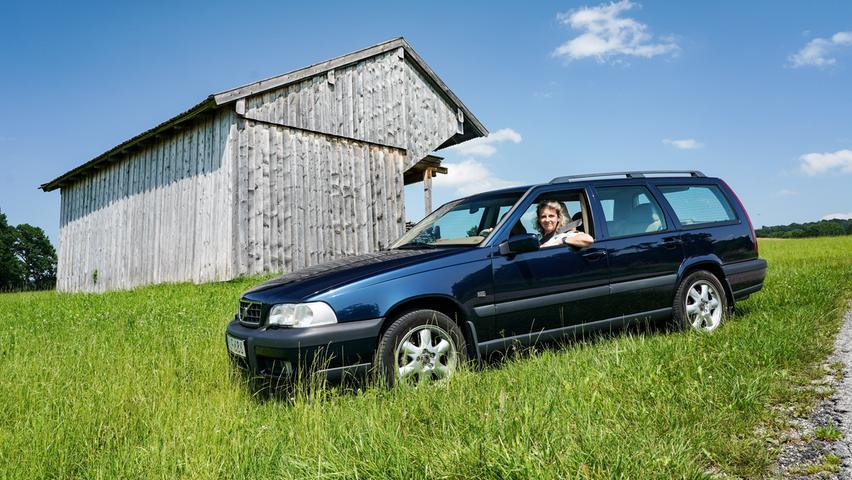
x=703, y=306
x=426, y=353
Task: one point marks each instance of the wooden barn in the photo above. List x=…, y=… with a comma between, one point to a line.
x=277, y=175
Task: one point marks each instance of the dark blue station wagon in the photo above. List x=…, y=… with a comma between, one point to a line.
x=471, y=279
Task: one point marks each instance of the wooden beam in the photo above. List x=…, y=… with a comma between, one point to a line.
x=427, y=190
x=296, y=75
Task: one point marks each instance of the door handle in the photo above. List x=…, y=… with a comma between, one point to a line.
x=671, y=242
x=594, y=254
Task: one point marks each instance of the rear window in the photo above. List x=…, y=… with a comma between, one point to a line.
x=697, y=204
x=630, y=210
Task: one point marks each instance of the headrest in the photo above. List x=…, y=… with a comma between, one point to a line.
x=644, y=212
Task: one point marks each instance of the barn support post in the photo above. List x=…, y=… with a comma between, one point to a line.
x=427, y=191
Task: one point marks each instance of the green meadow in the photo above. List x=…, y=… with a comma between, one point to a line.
x=138, y=384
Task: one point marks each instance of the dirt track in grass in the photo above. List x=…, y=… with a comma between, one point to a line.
x=820, y=444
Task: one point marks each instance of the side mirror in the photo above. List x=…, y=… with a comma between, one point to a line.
x=525, y=242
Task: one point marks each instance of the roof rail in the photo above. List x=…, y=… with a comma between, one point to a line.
x=633, y=174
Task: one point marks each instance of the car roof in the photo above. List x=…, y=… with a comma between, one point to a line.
x=596, y=178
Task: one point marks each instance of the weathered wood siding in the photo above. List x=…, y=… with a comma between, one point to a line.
x=384, y=99
x=155, y=216
x=304, y=198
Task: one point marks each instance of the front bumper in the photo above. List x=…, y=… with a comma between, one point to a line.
x=332, y=350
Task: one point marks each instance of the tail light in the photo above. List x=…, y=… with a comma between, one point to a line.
x=748, y=219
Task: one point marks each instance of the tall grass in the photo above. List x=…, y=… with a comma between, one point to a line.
x=138, y=385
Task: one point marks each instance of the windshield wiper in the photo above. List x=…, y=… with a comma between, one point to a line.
x=415, y=245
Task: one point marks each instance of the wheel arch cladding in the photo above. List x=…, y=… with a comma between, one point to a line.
x=716, y=270
x=439, y=303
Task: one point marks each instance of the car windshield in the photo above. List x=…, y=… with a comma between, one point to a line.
x=464, y=222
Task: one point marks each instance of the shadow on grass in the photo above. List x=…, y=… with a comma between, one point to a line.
x=519, y=352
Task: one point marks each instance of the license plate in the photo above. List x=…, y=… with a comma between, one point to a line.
x=237, y=346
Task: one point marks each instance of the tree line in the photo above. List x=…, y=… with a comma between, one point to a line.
x=27, y=259
x=823, y=228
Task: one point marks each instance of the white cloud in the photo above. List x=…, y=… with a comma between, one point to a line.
x=817, y=52
x=607, y=34
x=786, y=193
x=841, y=216
x=685, y=144
x=816, y=163
x=470, y=176
x=484, y=146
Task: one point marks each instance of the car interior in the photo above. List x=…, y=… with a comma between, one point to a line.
x=630, y=211
x=576, y=207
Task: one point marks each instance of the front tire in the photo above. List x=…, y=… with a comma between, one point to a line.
x=422, y=346
x=700, y=302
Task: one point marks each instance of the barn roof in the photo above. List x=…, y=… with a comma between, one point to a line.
x=473, y=128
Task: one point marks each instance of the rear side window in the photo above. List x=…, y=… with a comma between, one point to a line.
x=696, y=204
x=630, y=210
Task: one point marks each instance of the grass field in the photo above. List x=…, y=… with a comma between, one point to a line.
x=138, y=384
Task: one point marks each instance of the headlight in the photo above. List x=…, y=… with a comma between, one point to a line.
x=301, y=315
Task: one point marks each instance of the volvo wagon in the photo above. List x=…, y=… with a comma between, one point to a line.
x=471, y=279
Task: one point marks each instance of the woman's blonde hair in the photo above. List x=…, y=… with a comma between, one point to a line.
x=561, y=213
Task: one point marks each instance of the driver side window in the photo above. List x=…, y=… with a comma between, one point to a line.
x=576, y=207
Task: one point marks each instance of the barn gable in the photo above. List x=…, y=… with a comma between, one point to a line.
x=272, y=176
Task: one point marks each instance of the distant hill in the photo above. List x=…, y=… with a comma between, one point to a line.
x=823, y=228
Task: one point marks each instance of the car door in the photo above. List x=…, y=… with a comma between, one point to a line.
x=643, y=249
x=549, y=288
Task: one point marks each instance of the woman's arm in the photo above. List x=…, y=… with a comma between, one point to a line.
x=580, y=240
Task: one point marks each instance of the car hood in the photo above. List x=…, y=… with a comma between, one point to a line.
x=317, y=278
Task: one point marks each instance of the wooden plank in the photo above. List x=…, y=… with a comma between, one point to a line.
x=235, y=248
x=370, y=100
x=349, y=200
x=220, y=224
x=275, y=191
x=313, y=244
x=399, y=162
x=281, y=182
x=195, y=149
x=380, y=127
x=369, y=197
x=178, y=210
x=253, y=231
x=299, y=228
x=241, y=245
x=307, y=72
x=158, y=159
x=125, y=238
x=399, y=119
x=358, y=102
x=207, y=203
x=289, y=200
x=335, y=208
x=199, y=159
x=108, y=212
x=164, y=247
x=265, y=194
x=327, y=214
x=185, y=144
x=427, y=191
x=93, y=223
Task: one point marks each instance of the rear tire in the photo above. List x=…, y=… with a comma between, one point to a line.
x=422, y=346
x=700, y=303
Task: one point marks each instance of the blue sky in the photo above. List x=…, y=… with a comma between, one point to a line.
x=758, y=93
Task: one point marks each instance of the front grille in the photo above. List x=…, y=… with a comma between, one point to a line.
x=250, y=313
